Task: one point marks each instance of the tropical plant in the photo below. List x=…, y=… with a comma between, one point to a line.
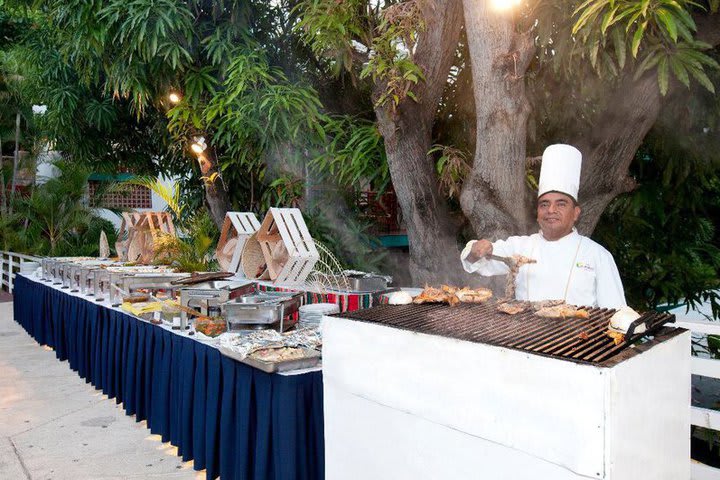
x=665, y=28
x=194, y=251
x=354, y=155
x=452, y=167
x=285, y=191
x=663, y=235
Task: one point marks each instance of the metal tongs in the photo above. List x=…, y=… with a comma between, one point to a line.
x=509, y=261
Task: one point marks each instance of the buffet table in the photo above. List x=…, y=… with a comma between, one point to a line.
x=231, y=419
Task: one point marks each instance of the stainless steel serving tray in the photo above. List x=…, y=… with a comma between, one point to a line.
x=103, y=278
x=362, y=283
x=211, y=294
x=311, y=359
x=261, y=308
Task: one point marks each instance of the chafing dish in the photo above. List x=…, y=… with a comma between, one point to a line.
x=104, y=278
x=82, y=276
x=53, y=267
x=262, y=310
x=355, y=281
x=152, y=282
x=206, y=297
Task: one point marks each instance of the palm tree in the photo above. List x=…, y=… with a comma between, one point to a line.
x=58, y=207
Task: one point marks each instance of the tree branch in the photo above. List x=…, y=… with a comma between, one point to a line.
x=435, y=50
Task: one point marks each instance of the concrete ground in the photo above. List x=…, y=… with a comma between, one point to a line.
x=55, y=426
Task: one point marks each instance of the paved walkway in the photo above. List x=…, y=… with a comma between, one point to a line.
x=55, y=426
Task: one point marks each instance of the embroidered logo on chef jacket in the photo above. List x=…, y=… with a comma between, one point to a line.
x=585, y=266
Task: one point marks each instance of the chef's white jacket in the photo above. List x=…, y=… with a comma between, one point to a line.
x=573, y=268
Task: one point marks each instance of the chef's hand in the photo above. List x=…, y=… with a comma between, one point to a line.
x=479, y=250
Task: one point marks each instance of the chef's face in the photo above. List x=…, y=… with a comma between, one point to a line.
x=556, y=214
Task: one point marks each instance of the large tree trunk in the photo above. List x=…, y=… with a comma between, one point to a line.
x=609, y=149
x=495, y=198
x=434, y=252
x=216, y=196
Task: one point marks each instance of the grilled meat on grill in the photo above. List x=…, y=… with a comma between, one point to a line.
x=617, y=337
x=512, y=308
x=518, y=261
x=432, y=295
x=479, y=295
x=562, y=311
x=453, y=295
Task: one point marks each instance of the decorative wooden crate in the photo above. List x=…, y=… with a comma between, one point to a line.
x=129, y=220
x=287, y=246
x=144, y=234
x=237, y=228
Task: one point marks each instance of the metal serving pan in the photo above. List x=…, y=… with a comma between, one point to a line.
x=311, y=359
x=264, y=309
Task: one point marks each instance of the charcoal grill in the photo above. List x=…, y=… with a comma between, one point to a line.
x=577, y=340
x=478, y=393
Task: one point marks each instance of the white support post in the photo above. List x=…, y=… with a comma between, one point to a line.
x=10, y=274
x=2, y=269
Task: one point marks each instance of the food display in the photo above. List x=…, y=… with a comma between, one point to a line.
x=272, y=351
x=517, y=262
x=479, y=295
x=211, y=327
x=453, y=295
x=513, y=308
x=282, y=354
x=617, y=337
x=562, y=311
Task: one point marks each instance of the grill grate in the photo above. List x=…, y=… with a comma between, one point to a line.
x=578, y=340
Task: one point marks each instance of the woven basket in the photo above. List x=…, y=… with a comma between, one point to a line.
x=251, y=259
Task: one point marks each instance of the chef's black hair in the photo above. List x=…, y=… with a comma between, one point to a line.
x=575, y=202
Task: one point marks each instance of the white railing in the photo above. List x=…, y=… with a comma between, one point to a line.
x=704, y=417
x=10, y=263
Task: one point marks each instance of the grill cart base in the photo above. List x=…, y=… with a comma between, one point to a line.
x=407, y=405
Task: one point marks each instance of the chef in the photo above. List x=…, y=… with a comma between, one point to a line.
x=569, y=267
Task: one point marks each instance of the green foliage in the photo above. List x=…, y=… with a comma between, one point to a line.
x=285, y=191
x=378, y=36
x=354, y=155
x=663, y=234
x=54, y=219
x=84, y=240
x=329, y=28
x=452, y=167
x=194, y=251
x=172, y=197
x=255, y=112
x=659, y=33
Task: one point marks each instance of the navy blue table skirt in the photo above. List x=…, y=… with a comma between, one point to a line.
x=231, y=419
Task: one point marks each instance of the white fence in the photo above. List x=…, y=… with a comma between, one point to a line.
x=10, y=263
x=703, y=417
